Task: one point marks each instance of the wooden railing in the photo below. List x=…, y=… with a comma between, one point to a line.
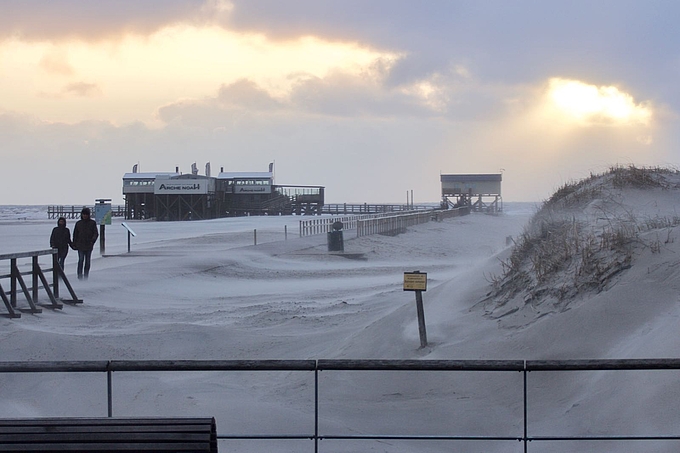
x=325, y=225
x=73, y=211
x=17, y=284
x=366, y=208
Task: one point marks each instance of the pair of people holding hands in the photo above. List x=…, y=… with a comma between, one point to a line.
x=85, y=235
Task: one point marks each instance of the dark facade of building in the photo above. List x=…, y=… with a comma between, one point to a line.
x=174, y=196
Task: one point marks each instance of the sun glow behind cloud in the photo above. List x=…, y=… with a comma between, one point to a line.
x=135, y=75
x=591, y=105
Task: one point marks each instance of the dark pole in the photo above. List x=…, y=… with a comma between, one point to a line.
x=421, y=319
x=55, y=275
x=129, y=241
x=102, y=238
x=34, y=275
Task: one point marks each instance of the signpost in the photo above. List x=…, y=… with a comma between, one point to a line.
x=102, y=215
x=417, y=281
x=129, y=233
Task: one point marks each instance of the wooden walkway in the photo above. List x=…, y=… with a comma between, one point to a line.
x=73, y=211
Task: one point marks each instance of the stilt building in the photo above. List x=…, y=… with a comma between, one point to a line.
x=176, y=196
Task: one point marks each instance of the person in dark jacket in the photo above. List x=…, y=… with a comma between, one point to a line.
x=60, y=239
x=85, y=235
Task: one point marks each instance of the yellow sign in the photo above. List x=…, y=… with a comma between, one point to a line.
x=415, y=281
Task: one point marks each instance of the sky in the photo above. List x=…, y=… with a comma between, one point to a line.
x=371, y=99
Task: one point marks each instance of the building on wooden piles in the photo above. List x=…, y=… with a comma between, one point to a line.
x=175, y=196
x=481, y=192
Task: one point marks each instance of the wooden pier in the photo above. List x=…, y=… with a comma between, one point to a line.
x=73, y=211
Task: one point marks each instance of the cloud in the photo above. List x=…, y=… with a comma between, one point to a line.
x=345, y=95
x=592, y=105
x=56, y=63
x=82, y=89
x=365, y=95
x=74, y=90
x=336, y=95
x=224, y=110
x=246, y=94
x=39, y=20
x=501, y=42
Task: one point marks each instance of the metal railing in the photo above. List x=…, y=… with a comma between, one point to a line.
x=333, y=365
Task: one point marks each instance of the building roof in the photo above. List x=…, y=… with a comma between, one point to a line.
x=148, y=175
x=245, y=175
x=472, y=178
x=186, y=176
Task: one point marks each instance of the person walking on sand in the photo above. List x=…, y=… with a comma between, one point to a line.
x=85, y=235
x=60, y=239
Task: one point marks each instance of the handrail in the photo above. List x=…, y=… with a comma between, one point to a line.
x=420, y=365
x=324, y=225
x=13, y=256
x=603, y=365
x=18, y=285
x=329, y=365
x=73, y=211
x=397, y=223
x=362, y=208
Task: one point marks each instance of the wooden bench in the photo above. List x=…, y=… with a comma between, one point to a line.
x=110, y=435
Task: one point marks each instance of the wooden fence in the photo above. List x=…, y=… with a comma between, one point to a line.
x=365, y=208
x=325, y=225
x=381, y=223
x=397, y=224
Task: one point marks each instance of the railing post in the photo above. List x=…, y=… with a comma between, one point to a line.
x=524, y=373
x=13, y=282
x=109, y=389
x=34, y=278
x=55, y=275
x=316, y=408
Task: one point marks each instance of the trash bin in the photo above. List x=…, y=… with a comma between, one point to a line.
x=335, y=240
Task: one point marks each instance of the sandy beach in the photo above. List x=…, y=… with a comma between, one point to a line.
x=203, y=291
